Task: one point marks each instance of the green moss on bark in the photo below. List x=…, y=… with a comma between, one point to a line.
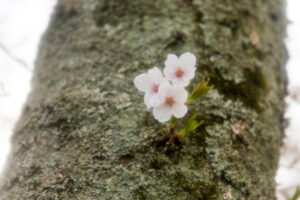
x=251, y=91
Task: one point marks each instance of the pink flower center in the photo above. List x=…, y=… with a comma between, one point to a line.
x=155, y=88
x=179, y=73
x=170, y=101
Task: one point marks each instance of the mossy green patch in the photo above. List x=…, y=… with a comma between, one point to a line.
x=200, y=189
x=251, y=91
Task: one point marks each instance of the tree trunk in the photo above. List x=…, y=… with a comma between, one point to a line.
x=85, y=133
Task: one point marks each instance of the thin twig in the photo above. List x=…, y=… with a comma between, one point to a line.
x=19, y=60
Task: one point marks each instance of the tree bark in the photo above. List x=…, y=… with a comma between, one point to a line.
x=85, y=133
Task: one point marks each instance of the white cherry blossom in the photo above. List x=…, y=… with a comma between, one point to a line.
x=150, y=83
x=180, y=70
x=173, y=100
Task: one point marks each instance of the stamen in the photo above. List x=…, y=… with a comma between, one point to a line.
x=179, y=73
x=170, y=101
x=155, y=88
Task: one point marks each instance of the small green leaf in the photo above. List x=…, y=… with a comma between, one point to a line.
x=201, y=89
x=190, y=126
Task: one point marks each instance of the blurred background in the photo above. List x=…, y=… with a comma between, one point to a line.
x=22, y=22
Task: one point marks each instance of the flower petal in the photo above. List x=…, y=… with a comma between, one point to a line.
x=142, y=82
x=187, y=60
x=162, y=113
x=189, y=73
x=163, y=81
x=171, y=65
x=152, y=99
x=155, y=75
x=172, y=60
x=180, y=94
x=180, y=82
x=165, y=89
x=170, y=72
x=179, y=110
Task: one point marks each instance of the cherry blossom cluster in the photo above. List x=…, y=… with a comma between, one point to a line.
x=166, y=93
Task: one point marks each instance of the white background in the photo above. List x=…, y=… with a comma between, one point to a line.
x=23, y=21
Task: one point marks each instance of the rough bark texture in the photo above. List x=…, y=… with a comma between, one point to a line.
x=85, y=133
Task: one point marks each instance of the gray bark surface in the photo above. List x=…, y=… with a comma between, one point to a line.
x=86, y=134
